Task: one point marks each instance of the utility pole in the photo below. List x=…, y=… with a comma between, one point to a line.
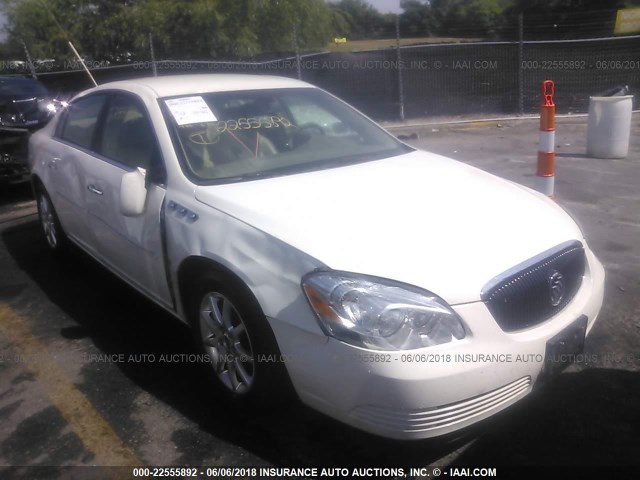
x=154, y=68
x=521, y=64
x=399, y=58
x=296, y=47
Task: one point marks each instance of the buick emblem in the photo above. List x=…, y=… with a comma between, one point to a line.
x=556, y=288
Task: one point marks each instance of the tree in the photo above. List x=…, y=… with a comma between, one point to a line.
x=363, y=20
x=312, y=19
x=417, y=19
x=565, y=19
x=107, y=28
x=97, y=28
x=181, y=30
x=193, y=29
x=31, y=22
x=339, y=22
x=238, y=36
x=470, y=18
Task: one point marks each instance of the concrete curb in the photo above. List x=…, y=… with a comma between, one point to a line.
x=435, y=126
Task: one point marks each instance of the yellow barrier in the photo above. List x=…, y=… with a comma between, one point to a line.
x=627, y=21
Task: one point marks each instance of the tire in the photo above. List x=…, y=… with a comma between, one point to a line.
x=54, y=236
x=231, y=329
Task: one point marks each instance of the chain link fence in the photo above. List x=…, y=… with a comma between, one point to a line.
x=392, y=79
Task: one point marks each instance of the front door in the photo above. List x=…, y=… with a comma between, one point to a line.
x=132, y=246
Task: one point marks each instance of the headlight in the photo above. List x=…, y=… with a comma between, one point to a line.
x=379, y=314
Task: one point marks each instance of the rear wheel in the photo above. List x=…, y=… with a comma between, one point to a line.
x=53, y=233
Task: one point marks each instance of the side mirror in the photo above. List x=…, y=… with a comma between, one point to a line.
x=133, y=193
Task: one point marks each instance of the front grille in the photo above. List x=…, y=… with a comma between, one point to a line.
x=537, y=289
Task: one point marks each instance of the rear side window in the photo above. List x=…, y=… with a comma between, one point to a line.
x=81, y=119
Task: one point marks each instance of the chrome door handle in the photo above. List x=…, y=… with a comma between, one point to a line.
x=93, y=189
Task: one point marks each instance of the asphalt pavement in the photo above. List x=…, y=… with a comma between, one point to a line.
x=91, y=373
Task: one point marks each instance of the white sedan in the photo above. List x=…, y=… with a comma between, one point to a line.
x=398, y=291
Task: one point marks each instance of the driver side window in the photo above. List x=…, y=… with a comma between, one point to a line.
x=127, y=135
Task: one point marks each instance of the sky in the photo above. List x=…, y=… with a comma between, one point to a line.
x=386, y=6
x=383, y=6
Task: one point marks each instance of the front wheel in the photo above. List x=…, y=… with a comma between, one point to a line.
x=225, y=338
x=232, y=331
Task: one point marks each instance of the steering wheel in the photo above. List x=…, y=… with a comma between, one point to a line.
x=312, y=126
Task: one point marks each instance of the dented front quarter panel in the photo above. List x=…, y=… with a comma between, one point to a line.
x=270, y=268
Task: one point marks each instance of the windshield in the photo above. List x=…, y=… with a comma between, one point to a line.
x=21, y=87
x=240, y=135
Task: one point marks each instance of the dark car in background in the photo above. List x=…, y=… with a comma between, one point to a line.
x=25, y=106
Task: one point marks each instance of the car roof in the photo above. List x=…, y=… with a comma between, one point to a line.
x=166, y=86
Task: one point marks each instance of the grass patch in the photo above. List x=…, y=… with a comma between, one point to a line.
x=356, y=45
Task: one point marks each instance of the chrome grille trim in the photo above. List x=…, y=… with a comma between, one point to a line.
x=445, y=416
x=520, y=298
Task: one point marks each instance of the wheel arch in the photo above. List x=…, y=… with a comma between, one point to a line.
x=36, y=182
x=192, y=268
x=195, y=267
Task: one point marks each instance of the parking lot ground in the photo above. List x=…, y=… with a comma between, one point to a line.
x=91, y=373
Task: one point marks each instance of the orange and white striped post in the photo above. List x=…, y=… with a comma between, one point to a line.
x=546, y=143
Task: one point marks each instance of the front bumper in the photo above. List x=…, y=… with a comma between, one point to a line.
x=432, y=391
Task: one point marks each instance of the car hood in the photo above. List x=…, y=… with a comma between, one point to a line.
x=24, y=110
x=417, y=218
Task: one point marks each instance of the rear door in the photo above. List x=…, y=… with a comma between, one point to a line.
x=132, y=246
x=68, y=158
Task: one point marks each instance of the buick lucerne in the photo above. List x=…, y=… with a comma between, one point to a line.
x=398, y=291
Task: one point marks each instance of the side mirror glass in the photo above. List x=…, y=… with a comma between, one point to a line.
x=133, y=193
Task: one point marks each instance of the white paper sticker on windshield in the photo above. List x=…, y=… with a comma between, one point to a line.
x=188, y=110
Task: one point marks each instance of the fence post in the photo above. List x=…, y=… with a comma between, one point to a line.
x=296, y=47
x=154, y=68
x=399, y=58
x=520, y=64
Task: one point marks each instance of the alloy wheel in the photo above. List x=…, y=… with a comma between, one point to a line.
x=226, y=340
x=48, y=221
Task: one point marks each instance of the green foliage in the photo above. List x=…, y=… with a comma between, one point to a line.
x=237, y=35
x=31, y=22
x=558, y=19
x=312, y=19
x=204, y=29
x=470, y=18
x=181, y=30
x=359, y=20
x=418, y=19
x=339, y=24
x=190, y=29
